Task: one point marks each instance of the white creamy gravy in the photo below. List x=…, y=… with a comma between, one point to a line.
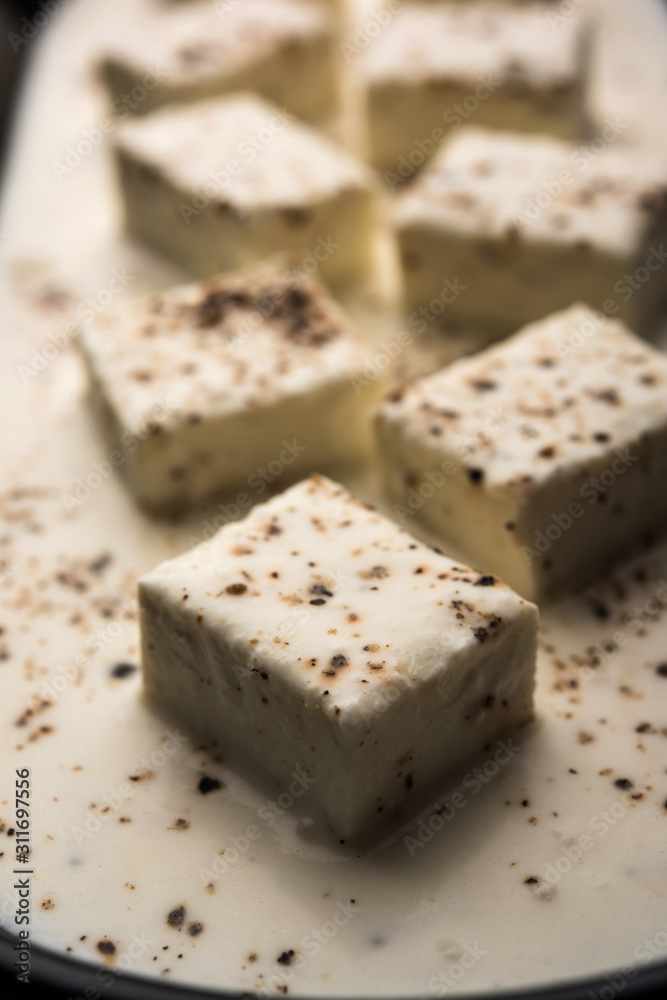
x=139, y=863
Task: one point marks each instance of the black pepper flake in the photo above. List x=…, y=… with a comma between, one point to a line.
x=122, y=670
x=176, y=917
x=409, y=781
x=380, y=572
x=106, y=947
x=485, y=581
x=320, y=590
x=297, y=298
x=483, y=385
x=475, y=475
x=207, y=785
x=531, y=880
x=210, y=311
x=296, y=217
x=661, y=669
x=99, y=564
x=480, y=633
x=195, y=928
x=601, y=436
x=624, y=783
x=263, y=674
x=509, y=526
x=236, y=589
x=318, y=601
x=286, y=957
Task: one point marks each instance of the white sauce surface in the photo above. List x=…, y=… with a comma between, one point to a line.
x=453, y=914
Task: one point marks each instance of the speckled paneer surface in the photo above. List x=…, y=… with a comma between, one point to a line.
x=315, y=635
x=228, y=383
x=284, y=49
x=435, y=66
x=543, y=457
x=502, y=229
x=220, y=183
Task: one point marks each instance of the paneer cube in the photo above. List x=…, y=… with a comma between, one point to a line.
x=503, y=229
x=436, y=66
x=238, y=382
x=542, y=459
x=286, y=50
x=221, y=183
x=316, y=635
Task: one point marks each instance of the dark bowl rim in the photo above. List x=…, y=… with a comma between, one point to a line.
x=56, y=974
